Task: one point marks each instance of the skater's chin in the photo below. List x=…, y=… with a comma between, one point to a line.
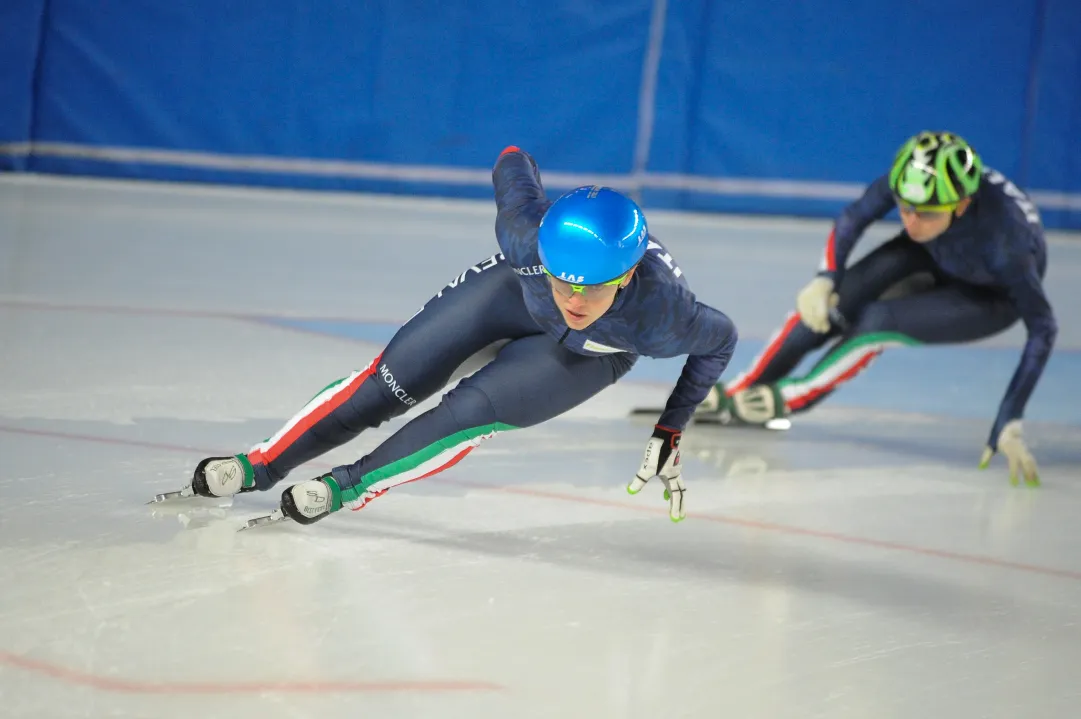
x=576, y=321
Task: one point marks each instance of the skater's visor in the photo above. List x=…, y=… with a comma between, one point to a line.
x=588, y=292
x=924, y=211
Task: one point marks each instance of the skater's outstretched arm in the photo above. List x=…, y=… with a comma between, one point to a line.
x=819, y=296
x=708, y=337
x=1025, y=289
x=848, y=228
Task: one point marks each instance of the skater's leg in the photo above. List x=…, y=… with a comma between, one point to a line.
x=531, y=380
x=482, y=306
x=477, y=310
x=753, y=396
x=949, y=314
x=863, y=283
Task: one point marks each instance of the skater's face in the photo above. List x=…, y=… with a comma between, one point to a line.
x=924, y=226
x=580, y=305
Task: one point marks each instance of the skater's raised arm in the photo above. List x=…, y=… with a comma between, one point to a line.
x=520, y=205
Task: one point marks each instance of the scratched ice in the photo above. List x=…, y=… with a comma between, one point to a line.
x=857, y=566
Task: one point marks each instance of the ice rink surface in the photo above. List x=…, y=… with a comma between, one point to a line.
x=856, y=566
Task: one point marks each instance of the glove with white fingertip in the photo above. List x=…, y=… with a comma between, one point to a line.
x=661, y=459
x=1011, y=442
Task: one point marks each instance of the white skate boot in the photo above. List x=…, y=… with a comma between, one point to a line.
x=305, y=503
x=757, y=406
x=216, y=477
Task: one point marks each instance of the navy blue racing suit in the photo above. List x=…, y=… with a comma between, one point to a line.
x=979, y=277
x=541, y=368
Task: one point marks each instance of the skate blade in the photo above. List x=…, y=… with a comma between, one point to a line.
x=777, y=424
x=699, y=411
x=273, y=518
x=186, y=493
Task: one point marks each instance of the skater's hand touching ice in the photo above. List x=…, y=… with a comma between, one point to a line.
x=661, y=459
x=1011, y=443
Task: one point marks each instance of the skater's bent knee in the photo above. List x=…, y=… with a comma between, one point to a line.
x=877, y=317
x=470, y=407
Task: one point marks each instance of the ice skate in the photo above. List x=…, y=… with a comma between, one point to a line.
x=726, y=418
x=216, y=478
x=306, y=503
x=758, y=406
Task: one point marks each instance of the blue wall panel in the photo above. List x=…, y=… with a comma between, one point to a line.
x=20, y=34
x=1053, y=160
x=382, y=82
x=815, y=92
x=834, y=89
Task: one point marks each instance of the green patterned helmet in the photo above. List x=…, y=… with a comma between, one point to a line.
x=934, y=171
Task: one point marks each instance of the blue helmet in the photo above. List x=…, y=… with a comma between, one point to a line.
x=592, y=235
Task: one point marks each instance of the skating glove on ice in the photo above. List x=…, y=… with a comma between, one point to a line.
x=661, y=459
x=1011, y=443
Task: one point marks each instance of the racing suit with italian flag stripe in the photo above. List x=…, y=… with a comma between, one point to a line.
x=978, y=278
